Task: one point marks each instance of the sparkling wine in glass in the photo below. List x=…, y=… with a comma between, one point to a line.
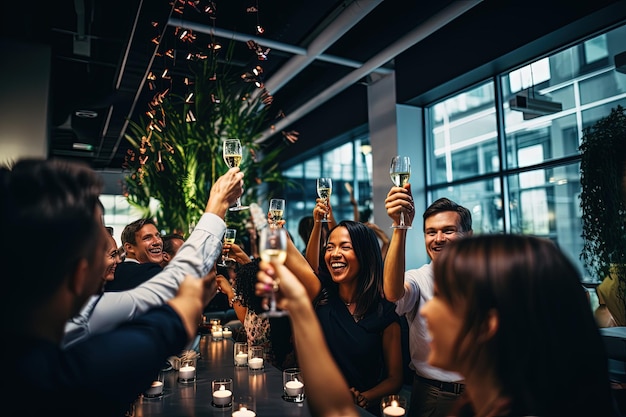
x=273, y=248
x=233, y=153
x=277, y=210
x=324, y=189
x=229, y=238
x=400, y=172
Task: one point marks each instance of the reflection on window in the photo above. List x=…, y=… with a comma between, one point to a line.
x=530, y=184
x=595, y=49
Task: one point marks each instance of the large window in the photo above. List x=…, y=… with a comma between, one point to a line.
x=507, y=149
x=347, y=160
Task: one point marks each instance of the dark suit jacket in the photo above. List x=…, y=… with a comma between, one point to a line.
x=128, y=275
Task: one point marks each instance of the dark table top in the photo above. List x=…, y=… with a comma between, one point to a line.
x=216, y=362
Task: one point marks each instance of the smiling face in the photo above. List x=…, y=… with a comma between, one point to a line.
x=439, y=229
x=340, y=257
x=111, y=259
x=148, y=245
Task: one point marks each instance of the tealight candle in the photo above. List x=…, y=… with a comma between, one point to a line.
x=293, y=388
x=393, y=410
x=155, y=389
x=255, y=363
x=222, y=396
x=226, y=332
x=187, y=372
x=241, y=359
x=244, y=412
x=217, y=333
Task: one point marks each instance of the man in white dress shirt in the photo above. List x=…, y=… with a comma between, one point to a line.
x=196, y=257
x=434, y=390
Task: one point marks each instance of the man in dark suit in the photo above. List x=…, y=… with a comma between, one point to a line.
x=144, y=252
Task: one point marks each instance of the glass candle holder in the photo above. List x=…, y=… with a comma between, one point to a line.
x=293, y=386
x=227, y=333
x=217, y=333
x=155, y=390
x=255, y=358
x=240, y=354
x=187, y=370
x=393, y=406
x=222, y=392
x=244, y=406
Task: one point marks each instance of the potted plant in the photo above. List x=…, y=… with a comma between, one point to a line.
x=177, y=156
x=603, y=204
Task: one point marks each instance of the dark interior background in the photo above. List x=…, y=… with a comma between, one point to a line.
x=102, y=50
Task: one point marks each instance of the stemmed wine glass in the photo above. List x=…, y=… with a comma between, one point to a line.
x=277, y=209
x=229, y=238
x=324, y=189
x=273, y=248
x=233, y=153
x=400, y=172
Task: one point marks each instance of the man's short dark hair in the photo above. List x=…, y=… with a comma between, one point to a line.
x=445, y=204
x=128, y=234
x=167, y=242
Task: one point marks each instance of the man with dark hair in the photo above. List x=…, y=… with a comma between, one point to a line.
x=58, y=200
x=434, y=390
x=143, y=247
x=196, y=257
x=171, y=243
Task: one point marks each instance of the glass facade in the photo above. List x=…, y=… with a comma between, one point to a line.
x=351, y=161
x=508, y=148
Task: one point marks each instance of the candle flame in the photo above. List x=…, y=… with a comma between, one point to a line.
x=394, y=403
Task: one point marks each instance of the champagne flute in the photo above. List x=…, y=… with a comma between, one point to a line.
x=324, y=189
x=400, y=172
x=273, y=248
x=229, y=238
x=277, y=209
x=233, y=153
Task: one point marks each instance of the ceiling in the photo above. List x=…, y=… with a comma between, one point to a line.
x=320, y=55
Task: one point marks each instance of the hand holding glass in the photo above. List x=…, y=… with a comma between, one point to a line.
x=273, y=248
x=277, y=209
x=324, y=189
x=400, y=172
x=229, y=238
x=232, y=152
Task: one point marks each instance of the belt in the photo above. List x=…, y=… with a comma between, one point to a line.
x=451, y=387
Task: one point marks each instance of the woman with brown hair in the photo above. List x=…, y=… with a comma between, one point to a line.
x=510, y=315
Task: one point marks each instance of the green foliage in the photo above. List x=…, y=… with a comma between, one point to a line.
x=176, y=160
x=602, y=168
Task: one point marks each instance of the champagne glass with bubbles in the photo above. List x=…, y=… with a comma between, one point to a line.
x=324, y=189
x=400, y=172
x=233, y=153
x=229, y=237
x=277, y=210
x=273, y=248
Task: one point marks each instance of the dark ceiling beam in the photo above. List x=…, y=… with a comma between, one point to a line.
x=422, y=31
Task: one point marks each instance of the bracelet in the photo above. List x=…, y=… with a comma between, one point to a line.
x=235, y=298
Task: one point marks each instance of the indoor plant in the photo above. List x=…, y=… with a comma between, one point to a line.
x=177, y=154
x=603, y=201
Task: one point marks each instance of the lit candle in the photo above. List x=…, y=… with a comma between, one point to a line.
x=393, y=410
x=227, y=332
x=155, y=389
x=217, y=333
x=187, y=372
x=222, y=396
x=241, y=359
x=255, y=363
x=293, y=388
x=244, y=412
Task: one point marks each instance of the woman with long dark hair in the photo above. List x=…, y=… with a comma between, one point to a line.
x=509, y=314
x=361, y=328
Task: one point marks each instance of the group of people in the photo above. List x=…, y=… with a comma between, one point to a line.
x=499, y=325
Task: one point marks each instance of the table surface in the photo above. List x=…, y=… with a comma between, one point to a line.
x=216, y=362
